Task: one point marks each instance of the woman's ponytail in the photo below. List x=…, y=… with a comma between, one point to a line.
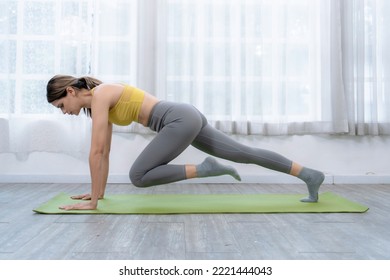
x=90, y=82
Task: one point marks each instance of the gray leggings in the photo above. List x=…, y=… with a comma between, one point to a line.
x=180, y=125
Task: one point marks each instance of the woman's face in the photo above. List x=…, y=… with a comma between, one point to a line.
x=70, y=104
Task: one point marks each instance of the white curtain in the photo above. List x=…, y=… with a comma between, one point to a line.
x=39, y=39
x=366, y=65
x=271, y=67
x=279, y=67
x=256, y=67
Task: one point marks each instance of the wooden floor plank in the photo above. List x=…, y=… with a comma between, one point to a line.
x=54, y=242
x=114, y=234
x=262, y=241
x=158, y=241
x=209, y=233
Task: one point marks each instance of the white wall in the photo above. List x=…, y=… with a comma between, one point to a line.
x=344, y=159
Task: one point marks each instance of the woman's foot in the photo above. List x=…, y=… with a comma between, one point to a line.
x=211, y=167
x=313, y=180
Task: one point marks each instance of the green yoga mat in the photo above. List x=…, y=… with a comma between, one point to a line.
x=214, y=203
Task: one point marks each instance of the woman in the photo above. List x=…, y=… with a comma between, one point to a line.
x=178, y=126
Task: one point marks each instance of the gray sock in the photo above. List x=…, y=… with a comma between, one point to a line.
x=313, y=180
x=211, y=167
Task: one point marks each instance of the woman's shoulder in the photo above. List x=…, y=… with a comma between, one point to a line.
x=107, y=90
x=108, y=87
x=107, y=93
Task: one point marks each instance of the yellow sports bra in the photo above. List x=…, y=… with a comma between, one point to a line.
x=127, y=109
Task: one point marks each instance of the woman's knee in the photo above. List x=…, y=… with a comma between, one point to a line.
x=136, y=178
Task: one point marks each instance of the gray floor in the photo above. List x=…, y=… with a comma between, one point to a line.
x=26, y=235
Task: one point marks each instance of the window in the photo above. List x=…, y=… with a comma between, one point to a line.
x=40, y=38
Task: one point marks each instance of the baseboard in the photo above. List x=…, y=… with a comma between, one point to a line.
x=361, y=179
x=246, y=179
x=45, y=179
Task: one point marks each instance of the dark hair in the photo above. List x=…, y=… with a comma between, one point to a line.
x=56, y=87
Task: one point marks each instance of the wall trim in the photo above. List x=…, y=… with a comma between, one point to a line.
x=249, y=179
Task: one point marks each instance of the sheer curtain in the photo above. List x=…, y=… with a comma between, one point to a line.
x=39, y=39
x=277, y=66
x=366, y=65
x=256, y=67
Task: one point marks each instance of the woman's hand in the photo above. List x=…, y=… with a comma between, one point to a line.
x=80, y=206
x=86, y=196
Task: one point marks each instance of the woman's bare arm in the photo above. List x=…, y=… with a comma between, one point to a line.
x=99, y=152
